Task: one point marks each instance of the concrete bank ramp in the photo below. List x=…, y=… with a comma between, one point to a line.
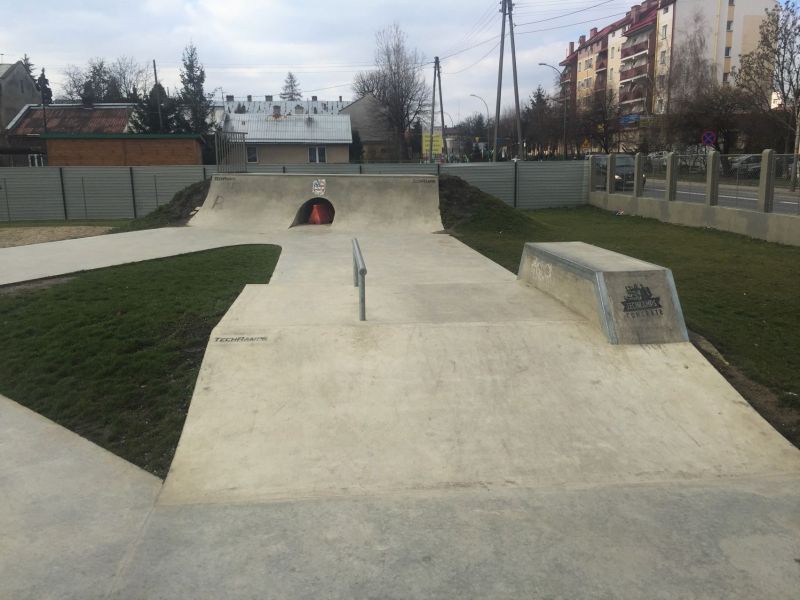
x=474, y=438
x=267, y=202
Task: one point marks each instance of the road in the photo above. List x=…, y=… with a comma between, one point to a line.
x=732, y=196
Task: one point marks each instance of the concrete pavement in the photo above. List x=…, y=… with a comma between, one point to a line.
x=474, y=438
x=69, y=510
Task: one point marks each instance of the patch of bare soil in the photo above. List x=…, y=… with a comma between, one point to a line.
x=33, y=284
x=22, y=236
x=783, y=415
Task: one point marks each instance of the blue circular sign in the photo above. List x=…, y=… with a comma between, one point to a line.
x=709, y=138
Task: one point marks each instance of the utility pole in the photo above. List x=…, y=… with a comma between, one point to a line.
x=158, y=98
x=441, y=107
x=520, y=148
x=499, y=81
x=433, y=109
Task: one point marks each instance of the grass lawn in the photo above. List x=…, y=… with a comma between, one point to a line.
x=741, y=294
x=113, y=354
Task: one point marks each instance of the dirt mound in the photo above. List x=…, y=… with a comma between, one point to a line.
x=466, y=208
x=176, y=212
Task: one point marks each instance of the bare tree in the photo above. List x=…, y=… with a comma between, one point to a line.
x=774, y=68
x=599, y=122
x=118, y=81
x=132, y=78
x=397, y=82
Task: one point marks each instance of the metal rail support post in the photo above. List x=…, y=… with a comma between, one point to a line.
x=359, y=280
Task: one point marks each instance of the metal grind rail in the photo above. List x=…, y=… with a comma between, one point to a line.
x=360, y=280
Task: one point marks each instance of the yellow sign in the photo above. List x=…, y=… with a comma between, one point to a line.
x=438, y=144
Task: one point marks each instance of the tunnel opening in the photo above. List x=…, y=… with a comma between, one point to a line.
x=317, y=211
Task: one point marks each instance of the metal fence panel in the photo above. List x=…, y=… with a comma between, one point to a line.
x=550, y=184
x=30, y=194
x=155, y=186
x=324, y=169
x=399, y=169
x=496, y=179
x=265, y=168
x=98, y=192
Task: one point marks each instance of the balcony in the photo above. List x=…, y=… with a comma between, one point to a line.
x=635, y=49
x=634, y=73
x=601, y=65
x=631, y=97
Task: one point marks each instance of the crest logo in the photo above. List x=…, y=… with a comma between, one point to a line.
x=639, y=302
x=318, y=187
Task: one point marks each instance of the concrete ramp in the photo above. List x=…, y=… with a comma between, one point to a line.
x=258, y=202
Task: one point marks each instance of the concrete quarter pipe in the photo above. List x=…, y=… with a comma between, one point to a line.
x=361, y=203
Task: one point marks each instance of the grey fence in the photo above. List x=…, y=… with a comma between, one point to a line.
x=58, y=193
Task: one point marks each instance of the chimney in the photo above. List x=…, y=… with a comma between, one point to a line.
x=340, y=98
x=268, y=98
x=571, y=48
x=593, y=32
x=249, y=98
x=313, y=98
x=582, y=40
x=634, y=15
x=276, y=110
x=229, y=98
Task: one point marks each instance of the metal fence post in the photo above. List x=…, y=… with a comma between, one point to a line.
x=592, y=169
x=63, y=193
x=516, y=181
x=8, y=206
x=638, y=175
x=766, y=183
x=83, y=190
x=133, y=193
x=672, y=177
x=611, y=171
x=713, y=166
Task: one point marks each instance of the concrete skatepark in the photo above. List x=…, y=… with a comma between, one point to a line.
x=478, y=436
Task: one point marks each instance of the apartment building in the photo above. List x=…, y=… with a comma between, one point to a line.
x=631, y=57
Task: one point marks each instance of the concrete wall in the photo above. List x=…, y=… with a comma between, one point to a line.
x=297, y=154
x=772, y=227
x=122, y=152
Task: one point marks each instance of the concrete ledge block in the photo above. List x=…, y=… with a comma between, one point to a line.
x=631, y=301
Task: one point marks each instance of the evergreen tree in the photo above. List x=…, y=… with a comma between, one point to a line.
x=291, y=88
x=26, y=62
x=44, y=88
x=196, y=107
x=145, y=118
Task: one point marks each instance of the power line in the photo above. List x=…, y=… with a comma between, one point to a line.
x=574, y=12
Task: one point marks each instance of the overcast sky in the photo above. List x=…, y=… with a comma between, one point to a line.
x=247, y=46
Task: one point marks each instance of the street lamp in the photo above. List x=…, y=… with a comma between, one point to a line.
x=564, y=101
x=487, y=116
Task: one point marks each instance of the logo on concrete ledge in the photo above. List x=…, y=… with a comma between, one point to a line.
x=318, y=187
x=640, y=302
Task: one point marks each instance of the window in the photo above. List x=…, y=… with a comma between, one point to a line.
x=612, y=52
x=252, y=154
x=663, y=32
x=660, y=105
x=727, y=51
x=36, y=160
x=729, y=26
x=731, y=3
x=726, y=78
x=666, y=9
x=316, y=154
x=662, y=81
x=611, y=73
x=662, y=59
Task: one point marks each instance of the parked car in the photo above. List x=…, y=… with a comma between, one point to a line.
x=623, y=173
x=747, y=166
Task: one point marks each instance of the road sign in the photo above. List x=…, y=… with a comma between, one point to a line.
x=709, y=138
